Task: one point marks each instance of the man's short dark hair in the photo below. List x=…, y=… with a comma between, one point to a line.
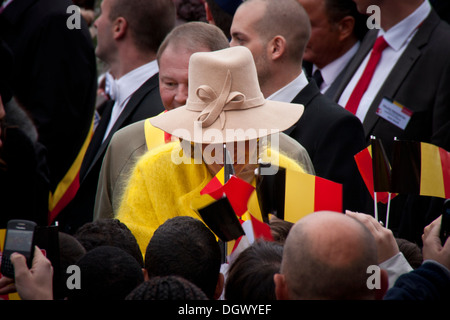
x=185, y=247
x=109, y=232
x=336, y=10
x=250, y=275
x=107, y=273
x=167, y=288
x=149, y=20
x=193, y=36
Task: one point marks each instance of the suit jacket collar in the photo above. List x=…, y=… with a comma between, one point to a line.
x=366, y=46
x=304, y=97
x=134, y=102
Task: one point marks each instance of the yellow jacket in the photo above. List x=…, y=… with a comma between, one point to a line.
x=160, y=189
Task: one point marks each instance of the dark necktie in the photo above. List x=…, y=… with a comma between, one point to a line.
x=317, y=76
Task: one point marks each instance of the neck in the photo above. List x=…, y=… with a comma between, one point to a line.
x=393, y=12
x=128, y=61
x=280, y=78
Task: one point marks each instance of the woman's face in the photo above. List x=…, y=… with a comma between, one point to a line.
x=243, y=155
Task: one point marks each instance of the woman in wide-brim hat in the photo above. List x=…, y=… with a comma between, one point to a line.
x=224, y=106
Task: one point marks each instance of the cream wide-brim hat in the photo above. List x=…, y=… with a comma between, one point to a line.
x=225, y=103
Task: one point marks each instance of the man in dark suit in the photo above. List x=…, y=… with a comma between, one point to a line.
x=336, y=31
x=54, y=79
x=129, y=35
x=277, y=32
x=414, y=72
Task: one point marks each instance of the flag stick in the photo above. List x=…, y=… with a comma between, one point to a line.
x=387, y=211
x=374, y=192
x=375, y=205
x=225, y=180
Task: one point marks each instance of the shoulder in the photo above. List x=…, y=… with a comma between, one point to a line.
x=166, y=159
x=132, y=134
x=279, y=159
x=158, y=154
x=435, y=34
x=324, y=115
x=325, y=108
x=127, y=140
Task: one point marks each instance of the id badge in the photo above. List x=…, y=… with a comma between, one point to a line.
x=395, y=113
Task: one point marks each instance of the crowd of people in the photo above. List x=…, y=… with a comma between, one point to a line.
x=111, y=132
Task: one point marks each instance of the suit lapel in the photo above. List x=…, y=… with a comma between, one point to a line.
x=331, y=91
x=97, y=138
x=400, y=71
x=307, y=94
x=391, y=85
x=132, y=104
x=353, y=65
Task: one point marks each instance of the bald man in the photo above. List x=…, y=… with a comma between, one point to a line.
x=326, y=256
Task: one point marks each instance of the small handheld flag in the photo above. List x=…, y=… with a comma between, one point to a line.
x=375, y=170
x=219, y=216
x=295, y=194
x=270, y=190
x=364, y=161
x=420, y=168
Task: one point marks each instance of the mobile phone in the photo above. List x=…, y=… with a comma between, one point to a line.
x=445, y=222
x=19, y=238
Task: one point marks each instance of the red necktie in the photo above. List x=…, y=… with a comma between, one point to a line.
x=364, y=81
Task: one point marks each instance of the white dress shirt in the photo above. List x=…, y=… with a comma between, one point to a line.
x=398, y=38
x=334, y=68
x=290, y=91
x=122, y=89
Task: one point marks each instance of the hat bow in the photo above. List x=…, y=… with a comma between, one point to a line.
x=213, y=105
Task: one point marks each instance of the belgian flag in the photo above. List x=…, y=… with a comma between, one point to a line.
x=420, y=168
x=291, y=195
x=375, y=170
